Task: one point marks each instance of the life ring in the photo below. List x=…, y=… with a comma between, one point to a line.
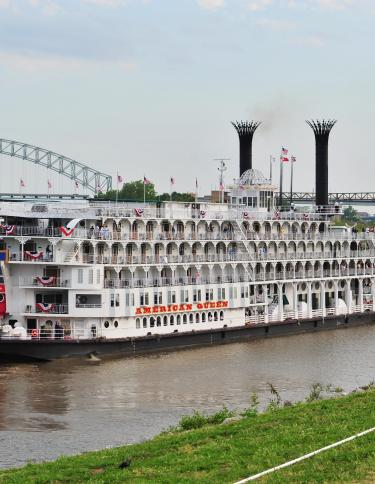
x=34, y=333
x=83, y=299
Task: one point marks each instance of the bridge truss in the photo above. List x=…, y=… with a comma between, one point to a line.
x=87, y=177
x=347, y=198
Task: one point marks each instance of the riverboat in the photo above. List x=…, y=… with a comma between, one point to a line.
x=108, y=278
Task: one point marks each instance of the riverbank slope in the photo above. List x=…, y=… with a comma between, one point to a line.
x=228, y=452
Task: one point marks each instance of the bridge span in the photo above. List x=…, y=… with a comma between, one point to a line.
x=344, y=198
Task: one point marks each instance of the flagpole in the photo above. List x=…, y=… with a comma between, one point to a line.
x=291, y=180
x=271, y=168
x=281, y=183
x=116, y=188
x=170, y=190
x=144, y=190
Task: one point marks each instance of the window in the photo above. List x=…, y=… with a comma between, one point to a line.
x=117, y=299
x=80, y=276
x=184, y=319
x=145, y=322
x=115, y=324
x=197, y=295
x=143, y=299
x=191, y=318
x=158, y=298
x=178, y=319
x=137, y=323
x=197, y=317
x=152, y=322
x=184, y=296
x=112, y=300
x=158, y=321
x=242, y=292
x=171, y=297
x=203, y=319
x=171, y=320
x=209, y=294
x=98, y=276
x=106, y=324
x=165, y=321
x=221, y=315
x=215, y=316
x=129, y=299
x=91, y=276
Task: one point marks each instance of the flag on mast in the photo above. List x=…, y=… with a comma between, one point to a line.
x=284, y=159
x=172, y=181
x=284, y=151
x=146, y=181
x=221, y=186
x=49, y=184
x=119, y=178
x=22, y=183
x=196, y=183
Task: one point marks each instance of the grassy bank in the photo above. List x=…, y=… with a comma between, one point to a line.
x=228, y=452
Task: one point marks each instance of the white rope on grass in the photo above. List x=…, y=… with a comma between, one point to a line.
x=303, y=457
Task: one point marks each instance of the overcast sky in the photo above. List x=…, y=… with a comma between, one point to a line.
x=150, y=86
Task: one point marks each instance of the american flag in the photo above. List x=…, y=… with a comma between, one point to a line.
x=146, y=181
x=22, y=183
x=293, y=159
x=221, y=186
x=284, y=151
x=196, y=183
x=284, y=159
x=172, y=180
x=138, y=212
x=119, y=179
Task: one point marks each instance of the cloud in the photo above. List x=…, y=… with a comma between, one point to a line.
x=257, y=5
x=211, y=4
x=106, y=3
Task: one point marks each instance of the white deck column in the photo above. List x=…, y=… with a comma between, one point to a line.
x=348, y=296
x=323, y=298
x=295, y=300
x=360, y=295
x=309, y=300
x=280, y=301
x=336, y=296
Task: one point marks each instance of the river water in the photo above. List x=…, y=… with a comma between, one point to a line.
x=67, y=407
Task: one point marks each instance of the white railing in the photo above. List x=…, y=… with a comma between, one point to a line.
x=43, y=282
x=53, y=309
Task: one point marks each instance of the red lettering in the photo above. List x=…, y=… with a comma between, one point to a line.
x=155, y=309
x=162, y=309
x=169, y=308
x=206, y=305
x=181, y=307
x=199, y=306
x=146, y=310
x=212, y=305
x=189, y=307
x=138, y=311
x=224, y=304
x=175, y=307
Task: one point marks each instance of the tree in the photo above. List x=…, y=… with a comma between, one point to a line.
x=177, y=197
x=350, y=215
x=132, y=191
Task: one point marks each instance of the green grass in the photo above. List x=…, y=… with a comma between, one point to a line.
x=228, y=452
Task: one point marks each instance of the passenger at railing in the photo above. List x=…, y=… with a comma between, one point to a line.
x=97, y=232
x=43, y=331
x=91, y=232
x=49, y=252
x=59, y=331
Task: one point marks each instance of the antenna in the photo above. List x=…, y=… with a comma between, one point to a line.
x=222, y=169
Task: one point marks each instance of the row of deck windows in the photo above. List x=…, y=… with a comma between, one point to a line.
x=178, y=319
x=209, y=294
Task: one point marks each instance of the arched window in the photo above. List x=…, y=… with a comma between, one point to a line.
x=191, y=318
x=137, y=323
x=158, y=321
x=215, y=316
x=152, y=322
x=197, y=317
x=165, y=320
x=203, y=318
x=209, y=316
x=221, y=315
x=145, y=322
x=184, y=318
x=178, y=319
x=171, y=320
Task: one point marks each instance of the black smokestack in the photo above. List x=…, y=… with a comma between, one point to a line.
x=245, y=130
x=321, y=130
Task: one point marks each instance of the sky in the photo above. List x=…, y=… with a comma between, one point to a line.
x=149, y=87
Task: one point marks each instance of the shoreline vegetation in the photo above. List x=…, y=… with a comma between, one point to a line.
x=231, y=445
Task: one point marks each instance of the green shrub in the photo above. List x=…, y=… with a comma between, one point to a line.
x=198, y=420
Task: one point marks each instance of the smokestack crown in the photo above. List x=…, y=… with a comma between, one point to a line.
x=246, y=128
x=322, y=128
